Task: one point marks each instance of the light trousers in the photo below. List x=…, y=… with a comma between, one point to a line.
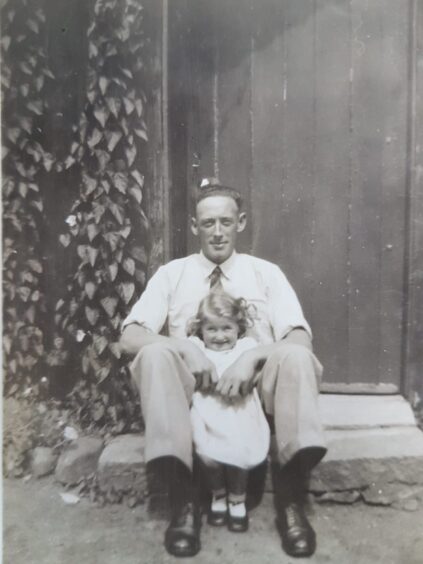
x=287, y=386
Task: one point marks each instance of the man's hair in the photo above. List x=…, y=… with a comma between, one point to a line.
x=223, y=305
x=212, y=187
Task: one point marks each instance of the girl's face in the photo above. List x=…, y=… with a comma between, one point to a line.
x=219, y=333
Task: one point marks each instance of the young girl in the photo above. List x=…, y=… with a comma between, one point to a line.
x=231, y=438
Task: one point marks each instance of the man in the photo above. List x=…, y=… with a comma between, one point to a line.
x=283, y=367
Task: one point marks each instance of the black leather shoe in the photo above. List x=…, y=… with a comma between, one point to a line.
x=298, y=536
x=182, y=537
x=238, y=524
x=216, y=518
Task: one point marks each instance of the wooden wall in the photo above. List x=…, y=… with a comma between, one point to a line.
x=306, y=107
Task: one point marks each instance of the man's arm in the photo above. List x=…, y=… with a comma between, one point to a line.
x=240, y=377
x=135, y=337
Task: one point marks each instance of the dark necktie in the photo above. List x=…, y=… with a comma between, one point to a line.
x=216, y=280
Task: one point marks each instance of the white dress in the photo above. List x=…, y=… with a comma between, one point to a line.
x=231, y=434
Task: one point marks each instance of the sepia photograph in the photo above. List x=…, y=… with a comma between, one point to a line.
x=212, y=285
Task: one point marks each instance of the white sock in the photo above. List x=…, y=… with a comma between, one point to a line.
x=237, y=509
x=219, y=504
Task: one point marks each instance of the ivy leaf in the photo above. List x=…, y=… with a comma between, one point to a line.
x=24, y=292
x=113, y=239
x=116, y=211
x=92, y=255
x=139, y=254
x=92, y=315
x=94, y=138
x=24, y=88
x=100, y=343
x=39, y=82
x=30, y=314
x=141, y=133
x=26, y=124
x=90, y=289
x=103, y=374
x=90, y=184
x=35, y=265
x=120, y=182
x=113, y=139
x=109, y=305
x=59, y=304
x=65, y=239
x=23, y=189
x=136, y=192
x=35, y=106
x=128, y=105
x=138, y=177
x=33, y=26
x=36, y=296
x=116, y=350
x=127, y=73
x=139, y=106
x=131, y=153
x=92, y=231
x=25, y=68
x=92, y=50
x=101, y=115
x=126, y=291
x=125, y=231
x=13, y=134
x=114, y=105
x=129, y=266
x=113, y=270
x=98, y=212
x=103, y=83
x=98, y=411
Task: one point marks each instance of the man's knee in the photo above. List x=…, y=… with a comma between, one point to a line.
x=150, y=356
x=291, y=353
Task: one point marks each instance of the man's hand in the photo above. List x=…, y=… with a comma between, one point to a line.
x=198, y=364
x=239, y=379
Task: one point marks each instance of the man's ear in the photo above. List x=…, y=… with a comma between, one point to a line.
x=194, y=226
x=242, y=222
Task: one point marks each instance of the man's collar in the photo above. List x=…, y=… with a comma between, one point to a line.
x=209, y=266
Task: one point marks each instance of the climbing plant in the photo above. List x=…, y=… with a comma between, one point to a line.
x=25, y=77
x=107, y=230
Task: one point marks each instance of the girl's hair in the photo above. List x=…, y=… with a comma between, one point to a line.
x=221, y=304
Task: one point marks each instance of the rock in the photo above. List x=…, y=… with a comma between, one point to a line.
x=410, y=505
x=121, y=467
x=79, y=460
x=339, y=497
x=43, y=461
x=359, y=473
x=381, y=494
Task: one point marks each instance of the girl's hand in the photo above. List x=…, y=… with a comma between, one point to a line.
x=239, y=379
x=198, y=364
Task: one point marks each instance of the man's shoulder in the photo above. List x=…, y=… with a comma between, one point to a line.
x=258, y=263
x=178, y=264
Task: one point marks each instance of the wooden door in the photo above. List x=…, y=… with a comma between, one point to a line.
x=303, y=106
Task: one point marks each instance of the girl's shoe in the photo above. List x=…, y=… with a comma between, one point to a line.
x=218, y=511
x=237, y=517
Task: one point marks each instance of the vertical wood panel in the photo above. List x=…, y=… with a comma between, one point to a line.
x=202, y=57
x=332, y=186
x=282, y=106
x=234, y=98
x=367, y=145
x=393, y=69
x=413, y=357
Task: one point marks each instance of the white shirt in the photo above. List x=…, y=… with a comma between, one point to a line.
x=174, y=292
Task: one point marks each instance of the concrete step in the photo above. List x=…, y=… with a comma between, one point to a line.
x=365, y=412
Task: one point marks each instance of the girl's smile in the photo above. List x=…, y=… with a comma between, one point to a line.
x=219, y=333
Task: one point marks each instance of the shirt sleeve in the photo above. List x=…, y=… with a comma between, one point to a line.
x=285, y=309
x=151, y=310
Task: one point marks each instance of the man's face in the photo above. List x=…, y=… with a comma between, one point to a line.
x=217, y=223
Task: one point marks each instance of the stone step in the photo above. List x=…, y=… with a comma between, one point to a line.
x=365, y=412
